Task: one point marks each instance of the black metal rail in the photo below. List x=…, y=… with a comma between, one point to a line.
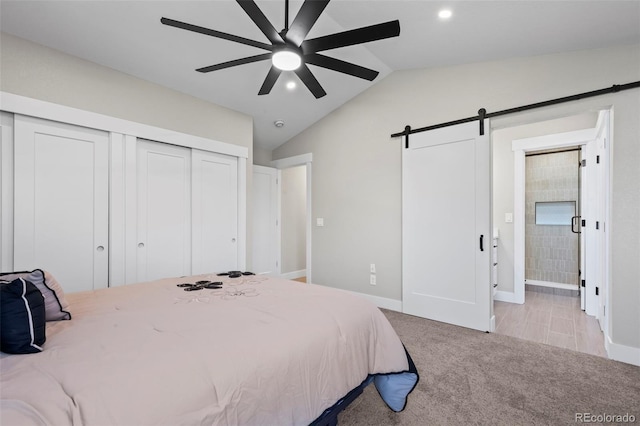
x=482, y=113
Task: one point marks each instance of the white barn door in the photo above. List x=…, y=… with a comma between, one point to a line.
x=164, y=211
x=214, y=212
x=62, y=202
x=446, y=238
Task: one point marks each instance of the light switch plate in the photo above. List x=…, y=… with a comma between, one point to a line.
x=508, y=217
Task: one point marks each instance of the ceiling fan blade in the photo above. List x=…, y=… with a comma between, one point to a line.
x=340, y=66
x=214, y=33
x=304, y=73
x=351, y=37
x=258, y=18
x=269, y=81
x=235, y=62
x=305, y=19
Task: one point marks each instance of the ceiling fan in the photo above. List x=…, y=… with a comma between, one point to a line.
x=289, y=50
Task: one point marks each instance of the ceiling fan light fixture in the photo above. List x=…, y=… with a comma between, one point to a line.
x=286, y=60
x=445, y=14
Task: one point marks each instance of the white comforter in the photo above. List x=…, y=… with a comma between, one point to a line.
x=277, y=353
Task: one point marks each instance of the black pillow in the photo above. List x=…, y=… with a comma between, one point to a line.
x=22, y=317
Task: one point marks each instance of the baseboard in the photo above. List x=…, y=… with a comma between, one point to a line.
x=381, y=302
x=294, y=274
x=622, y=353
x=505, y=296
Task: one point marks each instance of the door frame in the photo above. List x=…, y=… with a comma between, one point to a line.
x=587, y=138
x=285, y=163
x=520, y=147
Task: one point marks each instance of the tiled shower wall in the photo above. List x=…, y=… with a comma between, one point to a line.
x=551, y=251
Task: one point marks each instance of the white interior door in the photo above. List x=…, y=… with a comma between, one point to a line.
x=446, y=239
x=583, y=234
x=214, y=212
x=265, y=220
x=589, y=215
x=61, y=202
x=602, y=177
x=164, y=211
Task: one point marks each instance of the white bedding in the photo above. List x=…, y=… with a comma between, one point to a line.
x=277, y=353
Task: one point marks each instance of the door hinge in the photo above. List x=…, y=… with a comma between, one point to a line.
x=584, y=223
x=597, y=159
x=276, y=222
x=583, y=163
x=584, y=283
x=597, y=225
x=597, y=291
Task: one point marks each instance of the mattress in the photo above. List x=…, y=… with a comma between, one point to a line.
x=258, y=351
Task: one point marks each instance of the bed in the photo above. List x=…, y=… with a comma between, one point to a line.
x=257, y=351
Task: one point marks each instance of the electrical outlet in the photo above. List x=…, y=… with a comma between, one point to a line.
x=372, y=279
x=372, y=268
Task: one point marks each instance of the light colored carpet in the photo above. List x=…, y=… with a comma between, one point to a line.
x=470, y=377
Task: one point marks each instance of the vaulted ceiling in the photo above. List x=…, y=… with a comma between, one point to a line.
x=128, y=36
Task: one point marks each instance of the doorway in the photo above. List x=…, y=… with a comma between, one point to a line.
x=293, y=214
x=290, y=258
x=552, y=219
x=553, y=313
x=305, y=160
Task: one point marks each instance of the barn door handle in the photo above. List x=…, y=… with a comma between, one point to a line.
x=481, y=242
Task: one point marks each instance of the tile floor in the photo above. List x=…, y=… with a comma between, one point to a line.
x=553, y=319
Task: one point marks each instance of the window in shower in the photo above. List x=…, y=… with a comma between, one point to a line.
x=555, y=212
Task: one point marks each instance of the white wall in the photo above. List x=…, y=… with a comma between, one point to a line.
x=357, y=165
x=261, y=156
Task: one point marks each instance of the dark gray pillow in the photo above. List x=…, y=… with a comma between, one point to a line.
x=54, y=301
x=22, y=317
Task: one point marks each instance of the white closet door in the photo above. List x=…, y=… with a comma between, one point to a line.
x=445, y=231
x=61, y=202
x=215, y=212
x=265, y=220
x=164, y=211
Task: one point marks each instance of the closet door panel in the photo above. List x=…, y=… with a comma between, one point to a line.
x=164, y=211
x=61, y=202
x=215, y=212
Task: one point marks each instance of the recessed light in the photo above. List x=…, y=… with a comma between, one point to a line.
x=291, y=85
x=445, y=14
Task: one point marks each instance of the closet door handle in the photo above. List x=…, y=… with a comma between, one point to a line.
x=481, y=242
